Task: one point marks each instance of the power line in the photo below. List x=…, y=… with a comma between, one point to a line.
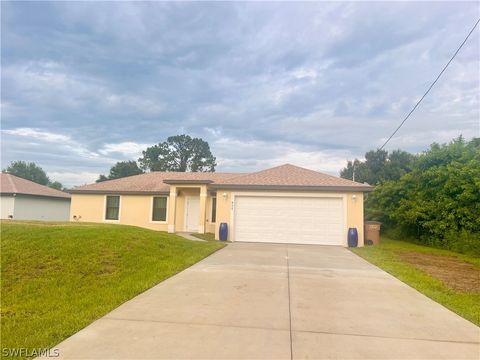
x=431, y=86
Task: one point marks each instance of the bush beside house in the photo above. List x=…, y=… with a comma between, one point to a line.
x=436, y=201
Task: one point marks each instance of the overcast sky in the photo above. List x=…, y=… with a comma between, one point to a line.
x=87, y=84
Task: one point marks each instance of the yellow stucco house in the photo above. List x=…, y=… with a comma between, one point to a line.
x=284, y=204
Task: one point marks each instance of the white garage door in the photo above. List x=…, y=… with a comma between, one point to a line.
x=296, y=220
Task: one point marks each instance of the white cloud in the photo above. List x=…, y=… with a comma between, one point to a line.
x=37, y=134
x=129, y=149
x=214, y=132
x=63, y=143
x=305, y=73
x=244, y=155
x=71, y=179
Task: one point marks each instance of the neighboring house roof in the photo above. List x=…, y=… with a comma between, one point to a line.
x=280, y=177
x=11, y=184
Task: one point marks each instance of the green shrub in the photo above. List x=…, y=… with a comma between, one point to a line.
x=437, y=203
x=463, y=242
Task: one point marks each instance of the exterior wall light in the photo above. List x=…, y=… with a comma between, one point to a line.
x=225, y=195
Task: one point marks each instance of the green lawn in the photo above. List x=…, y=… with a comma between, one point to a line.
x=206, y=236
x=59, y=277
x=439, y=274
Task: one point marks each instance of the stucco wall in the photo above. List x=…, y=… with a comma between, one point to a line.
x=355, y=214
x=354, y=207
x=41, y=208
x=134, y=210
x=7, y=203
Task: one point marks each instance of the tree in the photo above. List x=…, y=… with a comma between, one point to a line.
x=179, y=153
x=102, y=178
x=56, y=185
x=379, y=166
x=121, y=169
x=31, y=171
x=437, y=202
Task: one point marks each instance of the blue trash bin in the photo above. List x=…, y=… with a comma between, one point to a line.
x=352, y=237
x=223, y=231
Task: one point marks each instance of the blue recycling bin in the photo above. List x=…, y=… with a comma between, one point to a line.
x=352, y=237
x=223, y=231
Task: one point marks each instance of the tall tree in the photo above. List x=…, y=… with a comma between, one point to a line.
x=379, y=166
x=121, y=169
x=31, y=171
x=179, y=153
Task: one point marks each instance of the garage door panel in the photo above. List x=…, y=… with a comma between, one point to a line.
x=289, y=220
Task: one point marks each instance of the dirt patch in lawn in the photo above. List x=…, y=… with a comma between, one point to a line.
x=455, y=273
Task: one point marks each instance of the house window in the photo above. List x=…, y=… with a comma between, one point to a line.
x=214, y=209
x=112, y=207
x=159, y=212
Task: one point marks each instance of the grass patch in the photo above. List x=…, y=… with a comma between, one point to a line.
x=434, y=272
x=59, y=277
x=206, y=236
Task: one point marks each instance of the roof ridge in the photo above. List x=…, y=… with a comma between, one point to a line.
x=325, y=174
x=242, y=175
x=291, y=168
x=320, y=172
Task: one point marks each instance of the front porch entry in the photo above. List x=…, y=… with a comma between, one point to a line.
x=187, y=206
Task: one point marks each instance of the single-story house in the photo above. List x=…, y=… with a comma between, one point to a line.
x=22, y=199
x=284, y=204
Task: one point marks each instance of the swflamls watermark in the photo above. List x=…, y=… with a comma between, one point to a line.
x=30, y=352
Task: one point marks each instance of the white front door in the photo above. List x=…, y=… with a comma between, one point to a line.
x=192, y=213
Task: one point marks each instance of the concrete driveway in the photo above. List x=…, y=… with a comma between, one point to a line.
x=269, y=301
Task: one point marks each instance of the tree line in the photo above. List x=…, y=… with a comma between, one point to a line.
x=432, y=197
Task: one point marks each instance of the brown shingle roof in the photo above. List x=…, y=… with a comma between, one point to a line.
x=152, y=182
x=291, y=176
x=11, y=184
x=285, y=176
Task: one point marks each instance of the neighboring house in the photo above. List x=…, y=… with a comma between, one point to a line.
x=284, y=204
x=22, y=199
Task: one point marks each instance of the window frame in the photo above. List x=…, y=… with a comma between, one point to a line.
x=213, y=208
x=105, y=208
x=166, y=209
